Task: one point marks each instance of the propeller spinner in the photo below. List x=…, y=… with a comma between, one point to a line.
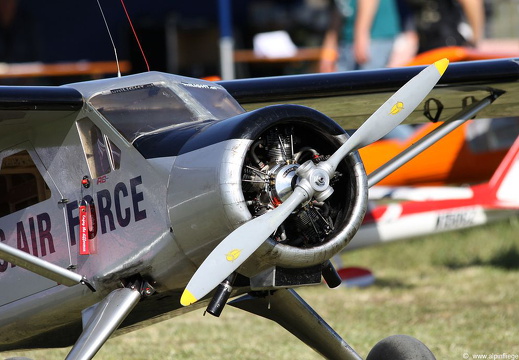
x=314, y=182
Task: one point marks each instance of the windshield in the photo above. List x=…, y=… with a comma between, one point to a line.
x=148, y=108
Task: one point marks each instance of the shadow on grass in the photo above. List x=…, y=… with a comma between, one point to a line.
x=507, y=259
x=392, y=283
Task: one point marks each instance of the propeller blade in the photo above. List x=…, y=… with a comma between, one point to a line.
x=237, y=247
x=395, y=110
x=242, y=242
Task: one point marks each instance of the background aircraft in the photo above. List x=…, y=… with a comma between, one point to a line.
x=198, y=179
x=488, y=50
x=402, y=212
x=469, y=154
x=427, y=210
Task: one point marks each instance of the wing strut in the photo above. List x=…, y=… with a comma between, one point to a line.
x=431, y=138
x=290, y=311
x=41, y=267
x=104, y=319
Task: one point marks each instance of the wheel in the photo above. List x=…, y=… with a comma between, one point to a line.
x=400, y=347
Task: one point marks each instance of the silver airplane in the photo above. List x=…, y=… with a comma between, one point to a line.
x=129, y=199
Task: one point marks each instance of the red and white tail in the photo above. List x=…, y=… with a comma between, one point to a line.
x=504, y=184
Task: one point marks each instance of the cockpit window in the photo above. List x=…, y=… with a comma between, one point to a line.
x=142, y=109
x=217, y=101
x=148, y=108
x=102, y=155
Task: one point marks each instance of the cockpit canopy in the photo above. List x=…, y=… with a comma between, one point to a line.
x=156, y=106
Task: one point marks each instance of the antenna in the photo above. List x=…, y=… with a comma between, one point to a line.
x=135, y=35
x=111, y=39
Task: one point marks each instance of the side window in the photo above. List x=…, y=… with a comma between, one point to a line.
x=21, y=184
x=102, y=155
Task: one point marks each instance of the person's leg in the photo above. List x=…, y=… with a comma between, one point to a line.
x=380, y=52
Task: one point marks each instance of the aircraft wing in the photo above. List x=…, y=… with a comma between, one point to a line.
x=348, y=97
x=351, y=97
x=31, y=105
x=38, y=98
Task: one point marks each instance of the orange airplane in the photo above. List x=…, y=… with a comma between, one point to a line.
x=469, y=154
x=487, y=51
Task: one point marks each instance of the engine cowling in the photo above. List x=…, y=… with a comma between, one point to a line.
x=226, y=172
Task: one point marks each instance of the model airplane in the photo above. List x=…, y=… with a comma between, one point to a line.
x=127, y=199
x=488, y=50
x=428, y=210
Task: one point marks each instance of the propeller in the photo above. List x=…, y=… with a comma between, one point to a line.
x=314, y=181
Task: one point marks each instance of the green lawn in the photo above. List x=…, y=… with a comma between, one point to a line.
x=456, y=292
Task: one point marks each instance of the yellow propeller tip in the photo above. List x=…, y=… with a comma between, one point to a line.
x=187, y=298
x=441, y=65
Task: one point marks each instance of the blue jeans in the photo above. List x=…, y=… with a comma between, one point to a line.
x=380, y=51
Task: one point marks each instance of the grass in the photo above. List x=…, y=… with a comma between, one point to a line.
x=457, y=292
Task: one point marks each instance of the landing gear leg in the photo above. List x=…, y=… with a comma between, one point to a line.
x=290, y=311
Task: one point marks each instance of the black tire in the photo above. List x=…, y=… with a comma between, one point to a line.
x=400, y=347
